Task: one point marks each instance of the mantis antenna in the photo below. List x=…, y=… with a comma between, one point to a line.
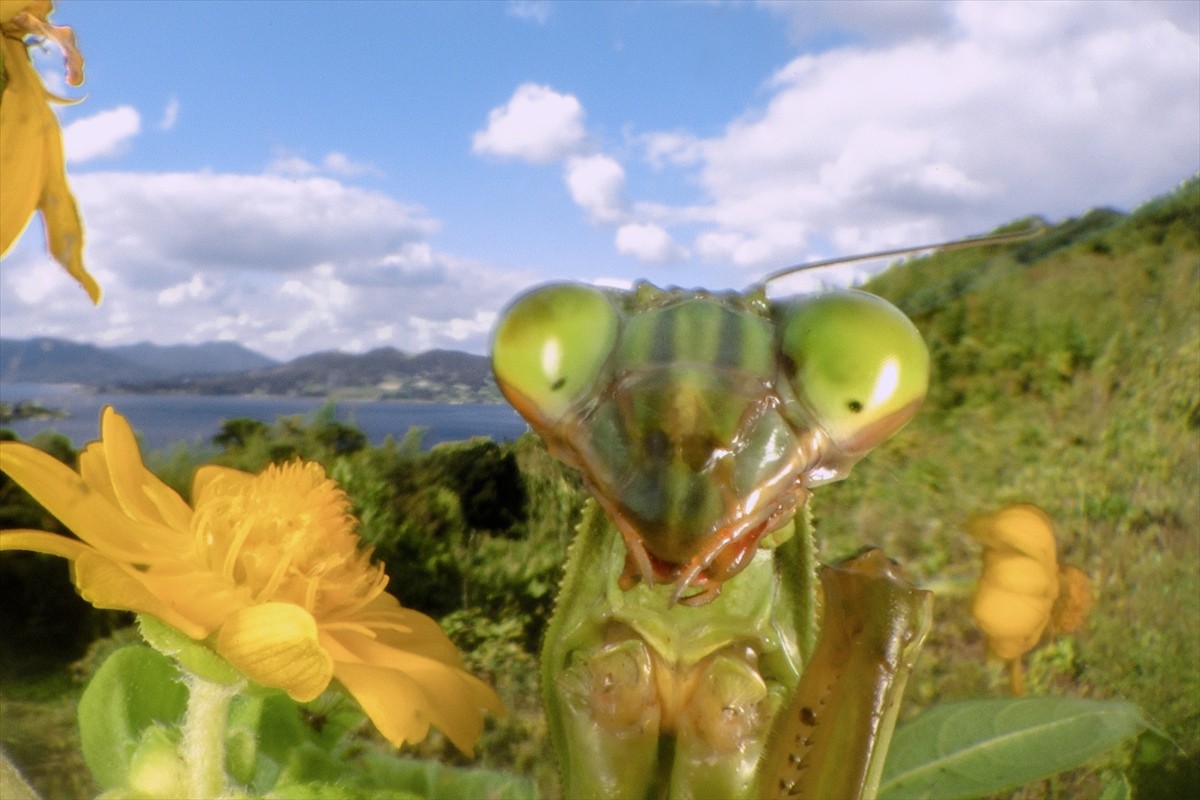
x=956, y=244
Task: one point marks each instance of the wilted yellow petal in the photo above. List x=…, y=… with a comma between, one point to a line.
x=64, y=230
x=10, y=8
x=35, y=20
x=1019, y=581
x=1007, y=615
x=1024, y=528
x=24, y=119
x=1018, y=574
x=31, y=150
x=1074, y=601
x=276, y=645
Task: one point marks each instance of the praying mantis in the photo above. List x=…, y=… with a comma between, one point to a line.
x=697, y=648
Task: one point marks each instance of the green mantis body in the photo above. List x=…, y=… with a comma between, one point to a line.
x=686, y=657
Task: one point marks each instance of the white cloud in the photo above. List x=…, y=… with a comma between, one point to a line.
x=648, y=242
x=285, y=266
x=333, y=164
x=938, y=119
x=537, y=125
x=671, y=147
x=101, y=135
x=530, y=10
x=170, y=115
x=596, y=183
x=458, y=329
x=1001, y=110
x=336, y=163
x=156, y=223
x=39, y=280
x=198, y=287
x=291, y=165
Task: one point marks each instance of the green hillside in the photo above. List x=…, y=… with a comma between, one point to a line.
x=1066, y=373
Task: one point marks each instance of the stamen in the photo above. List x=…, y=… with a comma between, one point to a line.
x=281, y=568
x=310, y=594
x=240, y=532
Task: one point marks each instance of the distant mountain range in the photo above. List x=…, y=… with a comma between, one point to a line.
x=227, y=368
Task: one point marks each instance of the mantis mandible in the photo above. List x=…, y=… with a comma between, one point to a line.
x=697, y=648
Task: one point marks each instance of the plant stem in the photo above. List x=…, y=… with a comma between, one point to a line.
x=1016, y=677
x=203, y=746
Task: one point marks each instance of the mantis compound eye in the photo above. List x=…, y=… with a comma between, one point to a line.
x=856, y=363
x=550, y=346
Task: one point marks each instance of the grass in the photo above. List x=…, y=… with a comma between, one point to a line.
x=39, y=734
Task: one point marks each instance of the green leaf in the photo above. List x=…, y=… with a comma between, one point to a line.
x=274, y=739
x=335, y=791
x=1117, y=788
x=135, y=688
x=979, y=747
x=435, y=781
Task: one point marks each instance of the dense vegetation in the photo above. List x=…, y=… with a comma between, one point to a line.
x=1066, y=373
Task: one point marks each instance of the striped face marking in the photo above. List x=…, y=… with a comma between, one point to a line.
x=698, y=420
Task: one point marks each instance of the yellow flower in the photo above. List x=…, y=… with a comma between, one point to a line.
x=266, y=570
x=31, y=152
x=1019, y=582
x=1022, y=591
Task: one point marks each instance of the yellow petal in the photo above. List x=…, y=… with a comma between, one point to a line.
x=1023, y=528
x=397, y=708
x=93, y=468
x=24, y=120
x=102, y=582
x=141, y=494
x=1002, y=614
x=275, y=644
x=373, y=651
x=422, y=690
x=409, y=630
x=205, y=597
x=107, y=584
x=1012, y=572
x=88, y=513
x=402, y=705
x=64, y=229
x=42, y=542
x=31, y=152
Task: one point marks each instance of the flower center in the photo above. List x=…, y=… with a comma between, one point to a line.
x=287, y=535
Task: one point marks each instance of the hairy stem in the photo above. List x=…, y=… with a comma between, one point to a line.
x=203, y=746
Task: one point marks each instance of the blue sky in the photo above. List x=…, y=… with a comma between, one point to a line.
x=303, y=176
